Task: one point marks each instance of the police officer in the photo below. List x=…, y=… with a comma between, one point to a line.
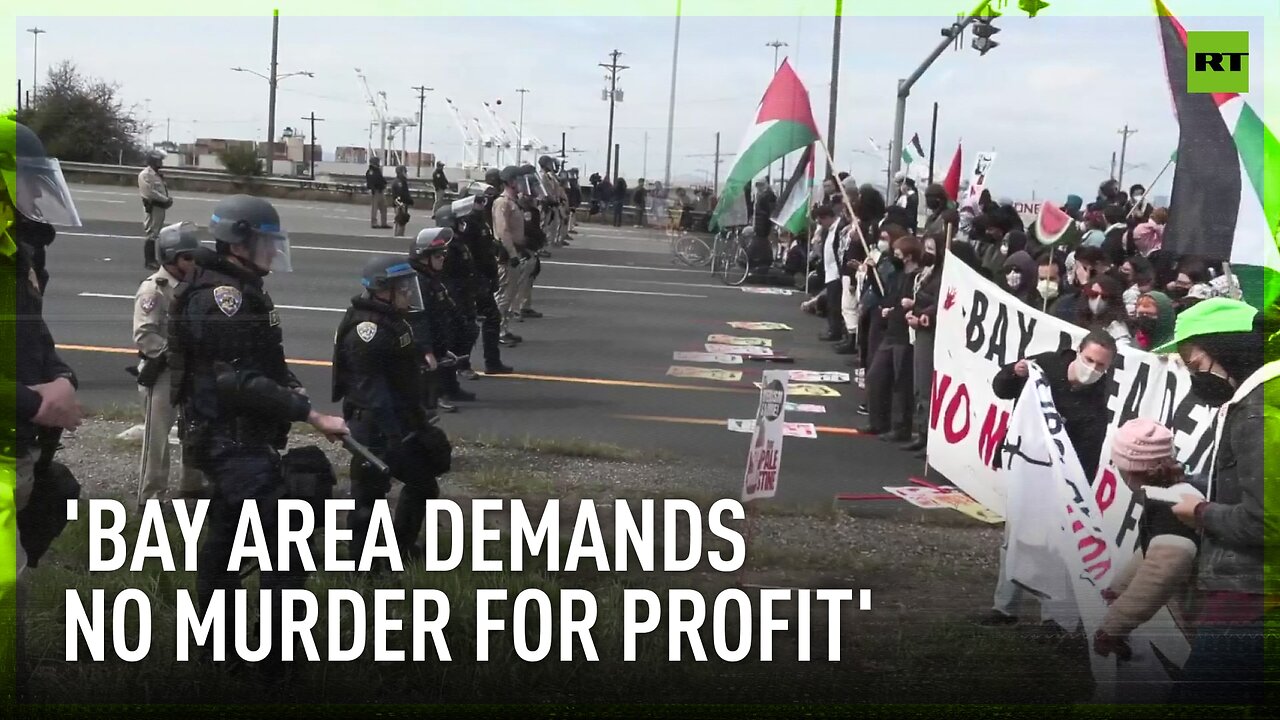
x=237, y=395
x=175, y=249
x=471, y=274
x=555, y=225
x=442, y=327
x=155, y=201
x=508, y=228
x=533, y=200
x=377, y=375
x=36, y=199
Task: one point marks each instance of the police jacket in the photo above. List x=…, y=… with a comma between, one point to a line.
x=484, y=246
x=433, y=326
x=37, y=361
x=226, y=354
x=377, y=367
x=459, y=270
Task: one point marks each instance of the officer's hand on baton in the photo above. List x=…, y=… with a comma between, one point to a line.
x=332, y=427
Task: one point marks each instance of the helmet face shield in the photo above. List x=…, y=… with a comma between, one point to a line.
x=531, y=185
x=269, y=251
x=406, y=293
x=43, y=195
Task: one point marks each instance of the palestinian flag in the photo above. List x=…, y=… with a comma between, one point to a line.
x=908, y=156
x=783, y=123
x=793, y=212
x=1222, y=208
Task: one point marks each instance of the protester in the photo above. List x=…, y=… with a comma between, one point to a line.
x=1221, y=342
x=923, y=319
x=1153, y=320
x=1160, y=573
x=1019, y=278
x=1104, y=309
x=1080, y=398
x=1142, y=278
x=890, y=389
x=1094, y=225
x=1048, y=281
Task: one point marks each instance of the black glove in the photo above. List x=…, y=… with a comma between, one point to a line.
x=514, y=262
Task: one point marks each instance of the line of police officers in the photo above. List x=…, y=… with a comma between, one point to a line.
x=212, y=359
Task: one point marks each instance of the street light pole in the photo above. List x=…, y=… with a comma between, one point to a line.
x=835, y=84
x=671, y=106
x=271, y=101
x=35, y=54
x=422, y=120
x=776, y=44
x=613, y=68
x=520, y=128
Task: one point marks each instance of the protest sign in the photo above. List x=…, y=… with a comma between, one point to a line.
x=921, y=497
x=738, y=349
x=809, y=389
x=796, y=407
x=733, y=340
x=809, y=376
x=722, y=358
x=759, y=325
x=791, y=429
x=705, y=373
x=765, y=456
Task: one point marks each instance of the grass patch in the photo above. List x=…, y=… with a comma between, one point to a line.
x=504, y=480
x=118, y=412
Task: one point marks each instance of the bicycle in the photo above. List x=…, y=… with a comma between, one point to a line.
x=691, y=250
x=731, y=262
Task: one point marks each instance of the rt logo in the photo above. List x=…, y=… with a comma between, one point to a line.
x=1217, y=62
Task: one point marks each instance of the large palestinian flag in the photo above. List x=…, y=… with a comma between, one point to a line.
x=792, y=214
x=1222, y=206
x=783, y=123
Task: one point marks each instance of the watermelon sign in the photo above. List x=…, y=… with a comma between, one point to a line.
x=1054, y=226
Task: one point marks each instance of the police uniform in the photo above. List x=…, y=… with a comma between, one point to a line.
x=151, y=335
x=484, y=253
x=238, y=399
x=155, y=200
x=377, y=375
x=508, y=228
x=558, y=201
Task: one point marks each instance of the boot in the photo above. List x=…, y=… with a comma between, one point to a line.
x=149, y=255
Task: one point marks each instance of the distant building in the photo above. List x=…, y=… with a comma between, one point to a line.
x=352, y=155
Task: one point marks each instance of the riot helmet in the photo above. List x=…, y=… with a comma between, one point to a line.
x=36, y=187
x=430, y=242
x=175, y=240
x=509, y=175
x=155, y=158
x=548, y=163
x=392, y=274
x=529, y=183
x=444, y=215
x=252, y=223
x=493, y=176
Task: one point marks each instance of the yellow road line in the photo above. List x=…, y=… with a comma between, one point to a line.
x=830, y=430
x=514, y=376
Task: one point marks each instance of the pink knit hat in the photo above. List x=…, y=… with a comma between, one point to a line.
x=1140, y=445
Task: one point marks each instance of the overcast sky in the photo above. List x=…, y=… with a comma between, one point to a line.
x=1049, y=100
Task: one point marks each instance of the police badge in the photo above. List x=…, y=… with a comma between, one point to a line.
x=366, y=330
x=228, y=299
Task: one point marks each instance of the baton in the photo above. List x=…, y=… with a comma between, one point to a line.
x=355, y=448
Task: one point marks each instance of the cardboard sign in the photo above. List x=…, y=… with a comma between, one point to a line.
x=705, y=373
x=791, y=429
x=809, y=376
x=734, y=340
x=810, y=390
x=921, y=497
x=738, y=349
x=767, y=291
x=796, y=407
x=722, y=358
x=764, y=458
x=761, y=326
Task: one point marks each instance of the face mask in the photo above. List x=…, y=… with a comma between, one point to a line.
x=898, y=263
x=883, y=246
x=929, y=259
x=933, y=203
x=1213, y=389
x=1048, y=289
x=1004, y=249
x=1084, y=373
x=1097, y=305
x=1145, y=323
x=1014, y=279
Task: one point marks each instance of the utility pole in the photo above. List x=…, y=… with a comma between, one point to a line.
x=715, y=190
x=35, y=54
x=167, y=126
x=1124, y=142
x=613, y=67
x=671, y=106
x=311, y=156
x=644, y=163
x=617, y=162
x=933, y=139
x=422, y=120
x=520, y=128
x=271, y=101
x=835, y=85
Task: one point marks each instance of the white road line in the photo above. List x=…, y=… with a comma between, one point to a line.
x=100, y=200
x=619, y=292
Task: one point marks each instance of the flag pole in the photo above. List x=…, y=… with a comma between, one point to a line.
x=853, y=218
x=1147, y=190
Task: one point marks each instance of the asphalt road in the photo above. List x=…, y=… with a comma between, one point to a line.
x=594, y=368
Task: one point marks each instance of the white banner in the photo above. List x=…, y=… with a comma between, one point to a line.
x=764, y=459
x=978, y=176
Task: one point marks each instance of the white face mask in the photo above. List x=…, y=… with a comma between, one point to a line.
x=1048, y=289
x=883, y=246
x=1084, y=373
x=1097, y=305
x=1014, y=279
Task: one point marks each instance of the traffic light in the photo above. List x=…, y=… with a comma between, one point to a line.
x=1031, y=7
x=984, y=44
x=983, y=29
